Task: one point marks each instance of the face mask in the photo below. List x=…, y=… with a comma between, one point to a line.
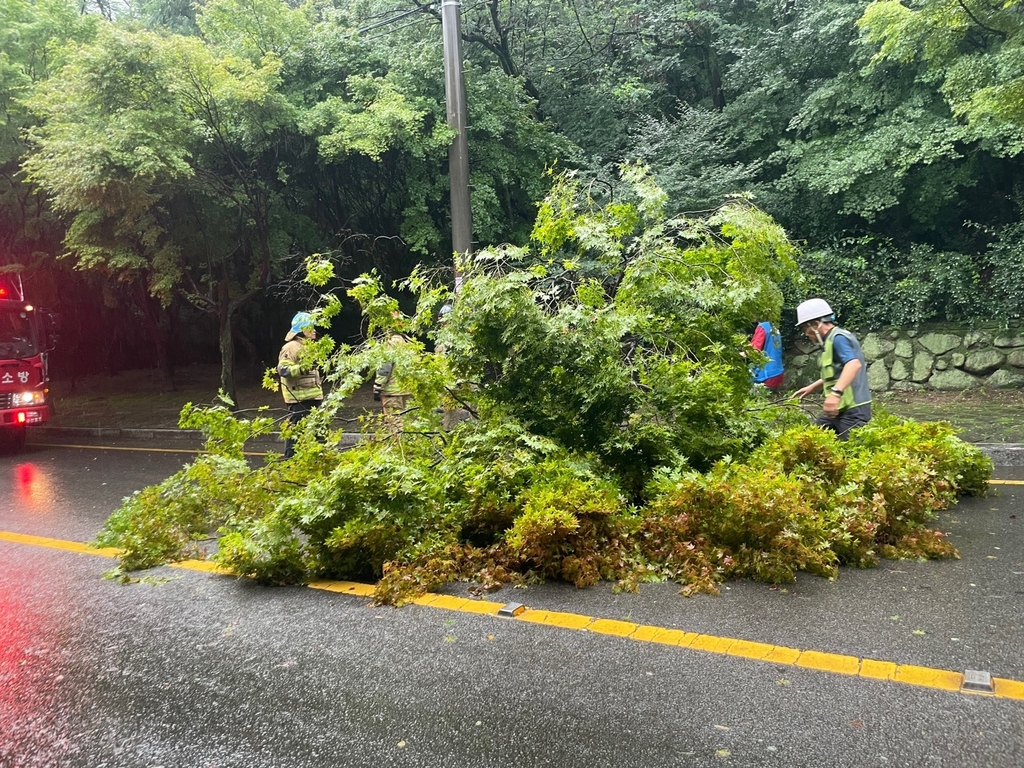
x=817, y=335
x=819, y=340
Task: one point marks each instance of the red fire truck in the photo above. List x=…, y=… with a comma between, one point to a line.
x=24, y=376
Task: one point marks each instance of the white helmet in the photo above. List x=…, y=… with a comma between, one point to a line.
x=812, y=309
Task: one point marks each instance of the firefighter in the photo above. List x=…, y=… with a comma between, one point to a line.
x=301, y=386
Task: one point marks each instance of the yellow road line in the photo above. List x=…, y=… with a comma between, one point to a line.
x=833, y=663
x=135, y=449
x=67, y=546
x=1006, y=482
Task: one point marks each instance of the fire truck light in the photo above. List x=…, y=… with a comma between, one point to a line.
x=29, y=307
x=27, y=398
x=3, y=292
x=21, y=417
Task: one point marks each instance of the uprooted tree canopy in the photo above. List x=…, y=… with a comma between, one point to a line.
x=606, y=429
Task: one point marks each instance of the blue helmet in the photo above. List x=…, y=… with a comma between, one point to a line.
x=300, y=322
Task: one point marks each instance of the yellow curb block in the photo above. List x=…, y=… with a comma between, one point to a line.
x=712, y=644
x=67, y=546
x=877, y=670
x=929, y=678
x=205, y=566
x=780, y=654
x=1008, y=689
x=343, y=587
x=750, y=650
x=829, y=662
x=556, y=619
x=613, y=627
x=677, y=637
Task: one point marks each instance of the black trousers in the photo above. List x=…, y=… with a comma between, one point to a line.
x=296, y=413
x=846, y=420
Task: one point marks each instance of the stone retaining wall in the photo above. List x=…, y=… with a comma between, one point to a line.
x=934, y=357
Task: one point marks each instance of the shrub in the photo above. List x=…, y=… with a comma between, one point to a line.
x=757, y=520
x=565, y=529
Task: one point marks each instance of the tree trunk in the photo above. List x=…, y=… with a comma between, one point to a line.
x=151, y=311
x=225, y=317
x=714, y=73
x=227, y=309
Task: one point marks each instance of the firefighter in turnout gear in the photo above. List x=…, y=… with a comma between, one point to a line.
x=300, y=384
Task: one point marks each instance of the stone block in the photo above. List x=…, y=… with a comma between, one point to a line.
x=953, y=381
x=958, y=359
x=904, y=348
x=942, y=365
x=1003, y=379
x=940, y=343
x=876, y=347
x=1007, y=341
x=878, y=376
x=923, y=363
x=900, y=371
x=984, y=361
x=976, y=338
x=905, y=386
x=1016, y=358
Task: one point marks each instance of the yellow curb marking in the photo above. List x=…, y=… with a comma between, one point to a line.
x=204, y=566
x=1006, y=482
x=829, y=662
x=1008, y=689
x=751, y=650
x=834, y=663
x=878, y=670
x=930, y=678
x=612, y=627
x=344, y=587
x=67, y=546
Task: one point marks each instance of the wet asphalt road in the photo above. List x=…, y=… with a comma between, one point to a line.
x=199, y=670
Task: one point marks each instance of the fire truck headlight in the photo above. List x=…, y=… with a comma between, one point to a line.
x=27, y=398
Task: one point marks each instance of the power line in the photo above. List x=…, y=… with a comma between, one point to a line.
x=399, y=17
x=388, y=32
x=386, y=22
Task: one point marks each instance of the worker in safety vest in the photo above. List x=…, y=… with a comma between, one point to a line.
x=843, y=370
x=301, y=386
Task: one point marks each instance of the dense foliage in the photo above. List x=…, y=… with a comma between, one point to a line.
x=611, y=432
x=185, y=158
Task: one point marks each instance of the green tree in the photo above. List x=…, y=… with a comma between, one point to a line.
x=32, y=40
x=971, y=48
x=136, y=122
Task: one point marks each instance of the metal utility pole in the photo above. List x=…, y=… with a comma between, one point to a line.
x=458, y=152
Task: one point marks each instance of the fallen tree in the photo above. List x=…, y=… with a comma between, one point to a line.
x=609, y=430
